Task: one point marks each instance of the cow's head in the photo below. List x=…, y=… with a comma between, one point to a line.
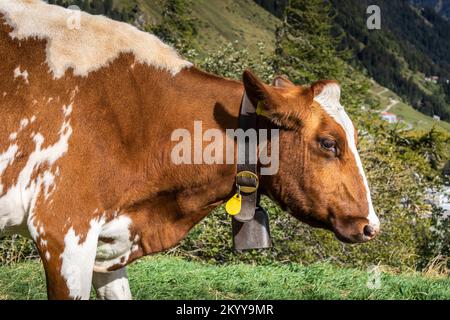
x=320, y=178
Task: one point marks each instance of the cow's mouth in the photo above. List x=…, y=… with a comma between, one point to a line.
x=357, y=232
x=352, y=230
x=354, y=239
x=368, y=233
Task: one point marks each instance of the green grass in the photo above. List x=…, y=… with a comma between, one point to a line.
x=219, y=22
x=417, y=119
x=163, y=277
x=223, y=21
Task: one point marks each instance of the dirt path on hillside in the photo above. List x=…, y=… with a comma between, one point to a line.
x=392, y=102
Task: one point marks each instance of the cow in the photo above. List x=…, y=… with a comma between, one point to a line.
x=87, y=110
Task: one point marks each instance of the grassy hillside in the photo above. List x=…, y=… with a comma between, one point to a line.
x=218, y=21
x=412, y=118
x=173, y=278
x=223, y=21
x=412, y=44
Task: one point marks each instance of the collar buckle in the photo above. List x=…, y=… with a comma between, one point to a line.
x=247, y=182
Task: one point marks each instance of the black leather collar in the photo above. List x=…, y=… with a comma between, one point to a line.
x=251, y=225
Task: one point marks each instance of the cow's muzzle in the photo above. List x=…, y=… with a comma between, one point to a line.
x=360, y=234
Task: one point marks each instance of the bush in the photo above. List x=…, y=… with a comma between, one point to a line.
x=16, y=249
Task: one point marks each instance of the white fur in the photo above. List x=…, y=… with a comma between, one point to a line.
x=48, y=180
x=109, y=254
x=24, y=123
x=78, y=260
x=329, y=99
x=21, y=74
x=6, y=159
x=17, y=204
x=112, y=285
x=95, y=44
x=13, y=136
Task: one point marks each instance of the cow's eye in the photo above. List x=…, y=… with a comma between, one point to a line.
x=328, y=144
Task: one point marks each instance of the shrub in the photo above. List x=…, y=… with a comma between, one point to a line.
x=16, y=249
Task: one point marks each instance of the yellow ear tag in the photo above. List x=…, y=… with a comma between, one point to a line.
x=233, y=206
x=260, y=109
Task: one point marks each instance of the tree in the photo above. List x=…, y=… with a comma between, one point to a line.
x=176, y=27
x=305, y=47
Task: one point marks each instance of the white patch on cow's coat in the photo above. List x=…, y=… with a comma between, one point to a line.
x=43, y=244
x=23, y=123
x=21, y=74
x=48, y=181
x=95, y=44
x=18, y=203
x=329, y=99
x=67, y=110
x=112, y=285
x=110, y=254
x=13, y=136
x=78, y=260
x=6, y=159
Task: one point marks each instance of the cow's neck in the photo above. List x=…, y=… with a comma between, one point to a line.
x=215, y=102
x=181, y=195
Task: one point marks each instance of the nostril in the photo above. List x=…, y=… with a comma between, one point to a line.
x=369, y=231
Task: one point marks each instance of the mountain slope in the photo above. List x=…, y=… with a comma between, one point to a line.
x=407, y=115
x=218, y=21
x=411, y=46
x=409, y=55
x=441, y=7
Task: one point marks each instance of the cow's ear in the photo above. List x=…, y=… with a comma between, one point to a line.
x=262, y=96
x=277, y=104
x=282, y=82
x=256, y=90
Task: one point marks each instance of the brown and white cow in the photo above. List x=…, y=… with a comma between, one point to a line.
x=86, y=115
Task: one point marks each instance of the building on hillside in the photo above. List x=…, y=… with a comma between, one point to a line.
x=389, y=117
x=433, y=79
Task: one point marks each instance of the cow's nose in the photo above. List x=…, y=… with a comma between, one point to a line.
x=369, y=231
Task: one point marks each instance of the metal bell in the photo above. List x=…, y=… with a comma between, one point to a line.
x=254, y=234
